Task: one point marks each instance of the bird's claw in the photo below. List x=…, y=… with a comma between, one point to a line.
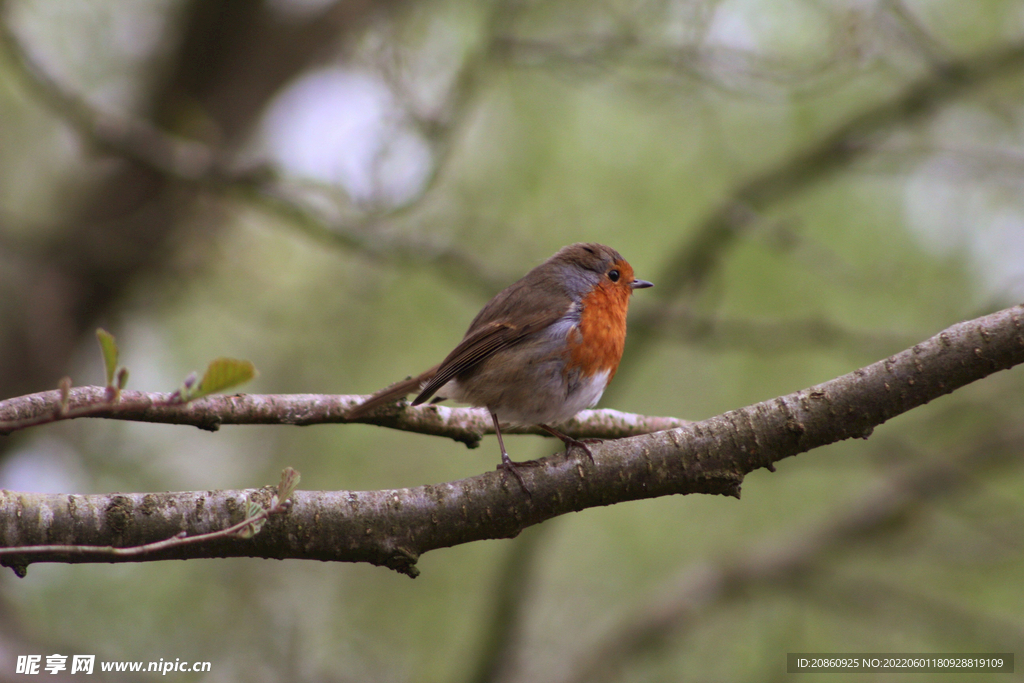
x=512, y=467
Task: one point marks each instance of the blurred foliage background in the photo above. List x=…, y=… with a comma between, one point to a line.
x=332, y=190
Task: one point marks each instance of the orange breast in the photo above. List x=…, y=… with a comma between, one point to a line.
x=601, y=335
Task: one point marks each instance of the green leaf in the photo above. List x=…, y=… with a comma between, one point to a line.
x=109, y=348
x=250, y=530
x=289, y=482
x=221, y=374
x=256, y=522
x=253, y=509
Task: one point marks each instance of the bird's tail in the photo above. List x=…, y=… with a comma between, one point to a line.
x=390, y=394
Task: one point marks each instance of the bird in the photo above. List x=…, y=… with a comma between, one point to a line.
x=540, y=351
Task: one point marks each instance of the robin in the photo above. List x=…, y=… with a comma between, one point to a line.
x=540, y=351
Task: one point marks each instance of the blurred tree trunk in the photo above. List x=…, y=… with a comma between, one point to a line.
x=232, y=57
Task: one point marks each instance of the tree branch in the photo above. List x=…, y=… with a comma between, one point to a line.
x=394, y=527
x=765, y=337
x=211, y=169
x=836, y=150
x=132, y=138
x=466, y=425
x=672, y=610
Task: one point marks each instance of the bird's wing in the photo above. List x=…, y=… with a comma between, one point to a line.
x=483, y=343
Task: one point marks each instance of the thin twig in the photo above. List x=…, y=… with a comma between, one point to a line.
x=175, y=541
x=467, y=425
x=247, y=528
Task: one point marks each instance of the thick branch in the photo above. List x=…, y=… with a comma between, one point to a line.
x=672, y=610
x=394, y=527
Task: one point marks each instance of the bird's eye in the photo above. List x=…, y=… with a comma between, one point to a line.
x=613, y=275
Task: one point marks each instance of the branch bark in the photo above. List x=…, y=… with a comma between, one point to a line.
x=466, y=425
x=671, y=611
x=393, y=528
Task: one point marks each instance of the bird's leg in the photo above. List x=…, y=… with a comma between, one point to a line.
x=507, y=465
x=570, y=442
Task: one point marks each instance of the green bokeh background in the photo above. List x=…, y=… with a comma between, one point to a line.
x=567, y=136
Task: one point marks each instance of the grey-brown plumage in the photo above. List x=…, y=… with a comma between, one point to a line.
x=541, y=350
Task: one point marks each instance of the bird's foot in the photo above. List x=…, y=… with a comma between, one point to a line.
x=512, y=467
x=571, y=443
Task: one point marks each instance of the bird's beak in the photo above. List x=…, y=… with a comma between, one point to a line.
x=641, y=284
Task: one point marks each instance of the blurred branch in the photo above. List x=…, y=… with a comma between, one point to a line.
x=440, y=123
x=467, y=425
x=838, y=149
x=958, y=163
x=887, y=509
x=856, y=38
x=447, y=260
x=128, y=137
x=195, y=163
x=881, y=602
x=393, y=528
x=774, y=336
x=626, y=43
x=440, y=129
x=915, y=33
x=495, y=657
x=18, y=639
x=707, y=244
